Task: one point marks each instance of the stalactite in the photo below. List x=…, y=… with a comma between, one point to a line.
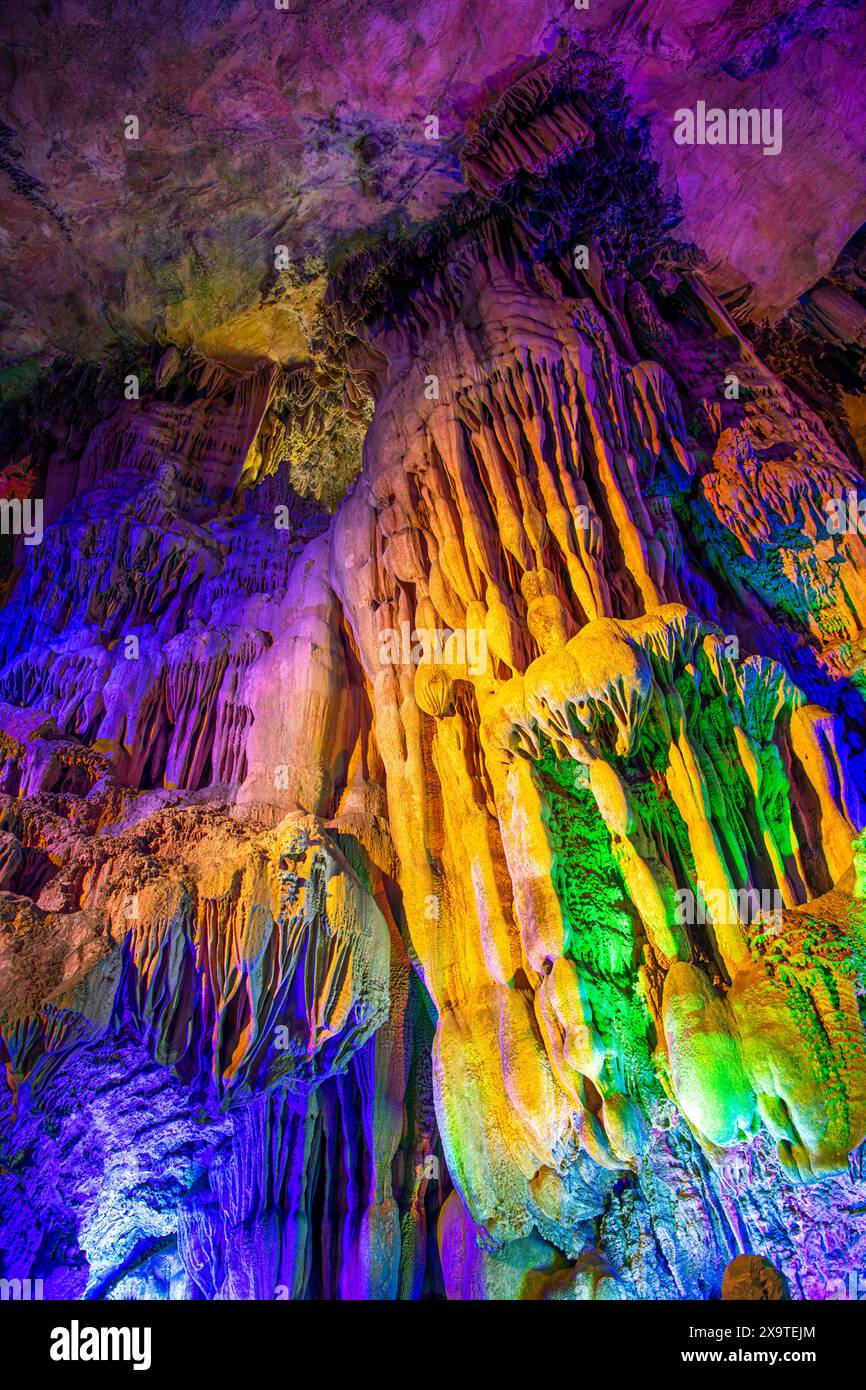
x=474, y=868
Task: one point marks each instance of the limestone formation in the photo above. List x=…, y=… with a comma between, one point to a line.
x=455, y=894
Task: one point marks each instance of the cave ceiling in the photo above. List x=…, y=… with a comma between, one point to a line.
x=306, y=127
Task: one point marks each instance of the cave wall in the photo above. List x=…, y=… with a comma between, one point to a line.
x=456, y=894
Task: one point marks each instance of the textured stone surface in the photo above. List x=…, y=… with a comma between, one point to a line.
x=749, y=1277
x=462, y=893
x=306, y=126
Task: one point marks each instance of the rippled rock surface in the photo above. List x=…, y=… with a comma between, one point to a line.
x=460, y=894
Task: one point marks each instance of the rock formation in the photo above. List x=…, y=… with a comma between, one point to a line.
x=459, y=894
